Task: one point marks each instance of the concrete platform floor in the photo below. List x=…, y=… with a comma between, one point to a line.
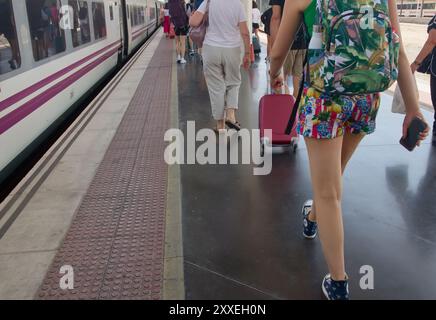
x=243, y=233
x=102, y=204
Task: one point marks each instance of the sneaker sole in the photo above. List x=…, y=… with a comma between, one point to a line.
x=310, y=237
x=324, y=290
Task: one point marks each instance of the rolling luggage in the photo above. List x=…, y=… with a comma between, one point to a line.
x=172, y=32
x=256, y=46
x=274, y=113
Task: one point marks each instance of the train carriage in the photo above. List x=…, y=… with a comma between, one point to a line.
x=417, y=9
x=52, y=53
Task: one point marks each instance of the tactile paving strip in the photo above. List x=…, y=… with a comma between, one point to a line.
x=115, y=243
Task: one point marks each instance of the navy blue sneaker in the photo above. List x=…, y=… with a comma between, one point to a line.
x=310, y=228
x=335, y=290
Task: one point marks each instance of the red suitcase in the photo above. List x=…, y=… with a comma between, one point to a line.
x=274, y=113
x=172, y=32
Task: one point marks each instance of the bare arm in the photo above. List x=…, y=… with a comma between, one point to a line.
x=286, y=33
x=245, y=34
x=406, y=79
x=275, y=22
x=196, y=19
x=426, y=49
x=405, y=76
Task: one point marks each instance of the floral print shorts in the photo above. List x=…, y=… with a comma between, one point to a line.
x=323, y=117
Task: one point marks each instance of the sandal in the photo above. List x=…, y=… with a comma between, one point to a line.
x=233, y=125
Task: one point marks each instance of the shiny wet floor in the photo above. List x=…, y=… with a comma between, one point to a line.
x=243, y=233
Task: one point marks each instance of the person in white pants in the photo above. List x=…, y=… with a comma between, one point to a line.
x=226, y=33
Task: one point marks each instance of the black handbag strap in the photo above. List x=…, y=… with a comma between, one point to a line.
x=297, y=101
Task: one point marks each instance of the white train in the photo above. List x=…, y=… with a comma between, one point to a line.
x=416, y=8
x=52, y=53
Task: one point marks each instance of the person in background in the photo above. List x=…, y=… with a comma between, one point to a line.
x=429, y=48
x=332, y=141
x=181, y=24
x=256, y=19
x=166, y=20
x=190, y=8
x=84, y=24
x=222, y=57
x=7, y=29
x=197, y=4
x=293, y=66
x=266, y=20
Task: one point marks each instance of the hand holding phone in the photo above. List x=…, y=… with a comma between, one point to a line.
x=417, y=126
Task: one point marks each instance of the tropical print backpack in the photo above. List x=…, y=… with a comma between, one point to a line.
x=357, y=49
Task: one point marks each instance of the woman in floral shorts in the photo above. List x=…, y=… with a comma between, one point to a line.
x=333, y=127
x=324, y=117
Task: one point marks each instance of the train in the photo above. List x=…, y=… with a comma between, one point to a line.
x=417, y=9
x=52, y=54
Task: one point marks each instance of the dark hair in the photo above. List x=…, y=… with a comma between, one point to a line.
x=254, y=4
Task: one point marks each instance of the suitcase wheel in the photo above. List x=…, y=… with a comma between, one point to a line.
x=263, y=142
x=294, y=144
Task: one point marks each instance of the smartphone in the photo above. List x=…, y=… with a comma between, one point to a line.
x=416, y=127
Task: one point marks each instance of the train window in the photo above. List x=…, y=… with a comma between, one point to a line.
x=80, y=32
x=9, y=51
x=98, y=16
x=48, y=39
x=111, y=12
x=152, y=13
x=136, y=16
x=132, y=16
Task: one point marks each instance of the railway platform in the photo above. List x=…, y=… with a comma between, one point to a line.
x=103, y=216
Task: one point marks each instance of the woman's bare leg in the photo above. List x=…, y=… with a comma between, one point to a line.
x=182, y=46
x=349, y=145
x=231, y=114
x=286, y=85
x=220, y=124
x=191, y=45
x=296, y=82
x=326, y=175
x=177, y=45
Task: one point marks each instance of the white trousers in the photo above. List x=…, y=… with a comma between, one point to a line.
x=222, y=70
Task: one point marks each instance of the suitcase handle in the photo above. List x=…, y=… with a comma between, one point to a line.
x=268, y=83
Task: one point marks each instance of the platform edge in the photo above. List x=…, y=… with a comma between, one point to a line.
x=173, y=283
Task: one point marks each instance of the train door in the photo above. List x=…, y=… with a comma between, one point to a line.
x=157, y=14
x=124, y=31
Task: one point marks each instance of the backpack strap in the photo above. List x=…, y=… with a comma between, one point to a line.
x=297, y=102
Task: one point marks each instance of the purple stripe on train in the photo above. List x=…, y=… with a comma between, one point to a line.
x=35, y=87
x=26, y=109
